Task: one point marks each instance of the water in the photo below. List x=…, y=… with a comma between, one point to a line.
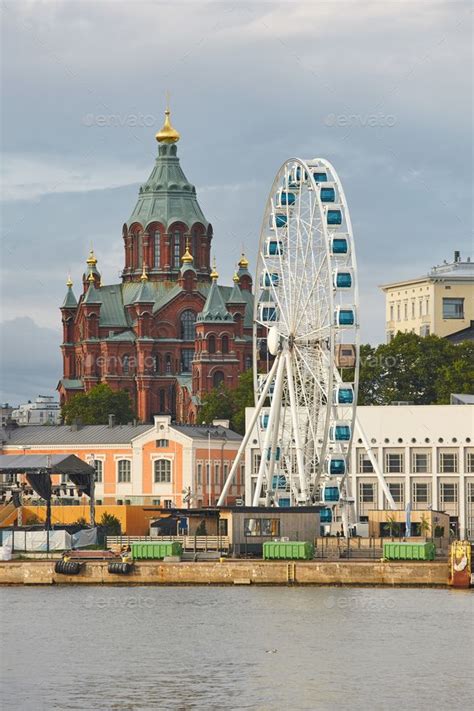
x=263, y=648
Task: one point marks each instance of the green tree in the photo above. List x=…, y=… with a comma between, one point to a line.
x=95, y=406
x=111, y=523
x=224, y=403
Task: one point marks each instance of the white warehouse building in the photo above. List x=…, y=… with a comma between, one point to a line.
x=427, y=457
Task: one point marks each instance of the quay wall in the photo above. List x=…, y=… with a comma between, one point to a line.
x=234, y=572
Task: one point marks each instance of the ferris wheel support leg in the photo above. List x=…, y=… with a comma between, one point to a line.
x=243, y=444
x=276, y=399
x=296, y=430
x=375, y=465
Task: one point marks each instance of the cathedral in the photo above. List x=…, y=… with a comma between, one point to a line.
x=169, y=332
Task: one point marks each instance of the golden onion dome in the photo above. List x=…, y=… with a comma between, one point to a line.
x=235, y=278
x=167, y=134
x=187, y=257
x=244, y=262
x=214, y=274
x=144, y=275
x=91, y=259
x=69, y=282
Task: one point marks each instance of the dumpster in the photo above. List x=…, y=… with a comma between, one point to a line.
x=288, y=550
x=156, y=550
x=409, y=551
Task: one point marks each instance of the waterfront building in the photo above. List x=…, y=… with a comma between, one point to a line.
x=440, y=302
x=162, y=464
x=43, y=411
x=426, y=453
x=168, y=333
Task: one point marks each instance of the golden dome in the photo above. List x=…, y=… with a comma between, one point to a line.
x=91, y=259
x=167, y=134
x=235, y=278
x=214, y=274
x=187, y=257
x=144, y=275
x=244, y=262
x=69, y=282
x=91, y=278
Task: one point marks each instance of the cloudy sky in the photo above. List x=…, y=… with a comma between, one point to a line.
x=381, y=89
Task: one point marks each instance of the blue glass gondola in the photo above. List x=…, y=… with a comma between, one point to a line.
x=268, y=313
x=337, y=466
x=339, y=245
x=334, y=217
x=340, y=433
x=343, y=280
x=345, y=317
x=264, y=420
x=344, y=395
x=320, y=177
x=274, y=248
x=286, y=198
x=325, y=515
x=270, y=279
x=327, y=195
x=331, y=493
x=281, y=220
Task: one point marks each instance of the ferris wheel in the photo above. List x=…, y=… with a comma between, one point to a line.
x=306, y=337
x=305, y=344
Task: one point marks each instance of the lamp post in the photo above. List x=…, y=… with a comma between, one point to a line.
x=209, y=465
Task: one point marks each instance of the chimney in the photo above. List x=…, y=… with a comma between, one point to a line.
x=76, y=425
x=111, y=420
x=457, y=256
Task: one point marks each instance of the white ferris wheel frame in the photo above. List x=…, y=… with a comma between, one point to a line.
x=289, y=360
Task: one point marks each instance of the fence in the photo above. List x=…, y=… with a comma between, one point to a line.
x=358, y=547
x=189, y=543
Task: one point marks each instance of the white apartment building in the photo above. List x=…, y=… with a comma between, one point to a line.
x=427, y=457
x=43, y=411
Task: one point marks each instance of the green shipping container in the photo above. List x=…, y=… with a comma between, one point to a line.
x=288, y=550
x=409, y=551
x=151, y=550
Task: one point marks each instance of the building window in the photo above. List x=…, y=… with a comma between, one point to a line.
x=177, y=250
x=225, y=344
x=187, y=355
x=168, y=504
x=391, y=312
x=157, y=249
x=188, y=321
x=470, y=492
x=99, y=468
x=393, y=462
x=217, y=471
x=162, y=443
x=162, y=469
x=364, y=464
x=124, y=471
x=405, y=311
x=398, y=312
x=421, y=492
x=126, y=364
x=470, y=462
x=217, y=378
x=248, y=362
x=199, y=474
x=211, y=344
x=448, y=492
x=168, y=363
x=366, y=492
x=140, y=250
x=208, y=474
x=262, y=527
x=413, y=309
x=156, y=502
x=453, y=308
x=396, y=489
x=448, y=462
x=421, y=462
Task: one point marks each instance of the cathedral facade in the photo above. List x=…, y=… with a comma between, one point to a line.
x=169, y=332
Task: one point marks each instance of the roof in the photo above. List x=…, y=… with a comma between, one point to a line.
x=235, y=296
x=70, y=301
x=67, y=435
x=71, y=384
x=214, y=308
x=92, y=295
x=461, y=399
x=449, y=271
x=465, y=334
x=167, y=196
x=203, y=432
x=56, y=463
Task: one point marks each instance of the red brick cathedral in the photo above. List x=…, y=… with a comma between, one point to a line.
x=169, y=332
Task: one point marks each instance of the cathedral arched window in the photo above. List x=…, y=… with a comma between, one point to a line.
x=157, y=249
x=188, y=320
x=211, y=344
x=195, y=244
x=225, y=344
x=140, y=250
x=177, y=250
x=126, y=364
x=168, y=365
x=217, y=378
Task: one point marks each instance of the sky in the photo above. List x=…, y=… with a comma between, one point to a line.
x=381, y=89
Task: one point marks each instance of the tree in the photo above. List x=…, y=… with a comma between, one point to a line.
x=111, y=523
x=225, y=404
x=95, y=406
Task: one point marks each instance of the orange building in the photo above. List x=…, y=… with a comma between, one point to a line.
x=162, y=464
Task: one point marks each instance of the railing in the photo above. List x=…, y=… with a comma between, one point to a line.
x=189, y=543
x=371, y=547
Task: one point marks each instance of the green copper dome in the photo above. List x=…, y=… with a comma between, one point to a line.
x=167, y=196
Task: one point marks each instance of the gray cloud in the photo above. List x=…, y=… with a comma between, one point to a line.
x=252, y=84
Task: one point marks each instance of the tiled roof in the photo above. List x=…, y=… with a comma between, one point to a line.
x=65, y=435
x=202, y=432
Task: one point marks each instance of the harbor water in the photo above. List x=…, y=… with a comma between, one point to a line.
x=270, y=648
